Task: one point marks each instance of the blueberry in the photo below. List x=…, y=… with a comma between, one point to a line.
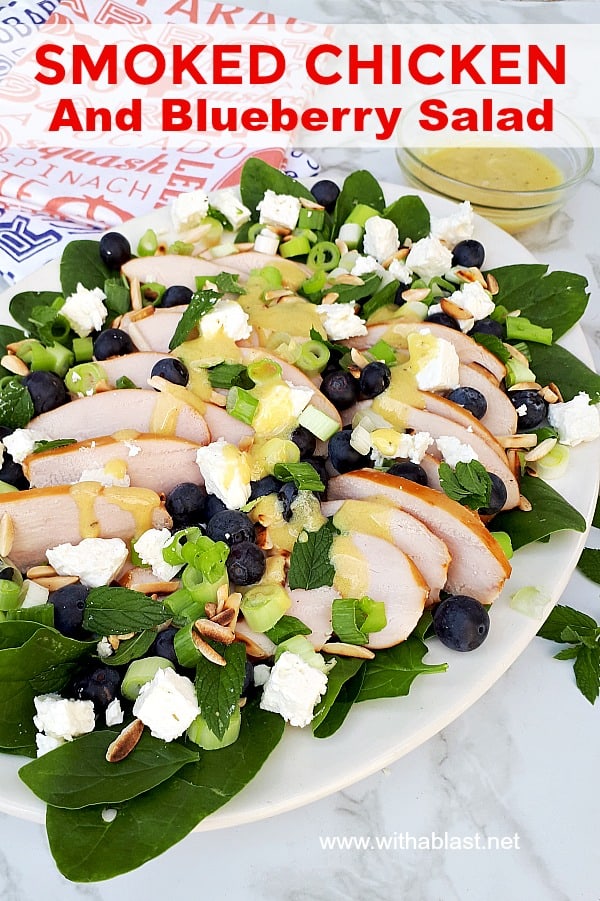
x=342, y=455
x=230, y=526
x=100, y=685
x=444, y=319
x=468, y=253
x=212, y=506
x=47, y=391
x=115, y=250
x=498, y=496
x=398, y=299
x=12, y=473
x=162, y=645
x=340, y=388
x=186, y=504
x=112, y=342
x=172, y=370
x=461, y=623
x=489, y=326
x=287, y=494
x=471, y=399
x=326, y=193
x=6, y=574
x=69, y=606
x=175, y=296
x=248, y=679
x=318, y=464
x=246, y=563
x=263, y=487
x=304, y=440
x=374, y=379
x=531, y=408
x=407, y=470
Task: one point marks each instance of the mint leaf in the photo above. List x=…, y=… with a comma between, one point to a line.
x=589, y=564
x=587, y=672
x=202, y=302
x=229, y=375
x=286, y=627
x=41, y=446
x=303, y=475
x=310, y=566
x=567, y=654
x=218, y=688
x=334, y=348
x=116, y=611
x=467, y=483
x=596, y=519
x=16, y=406
x=227, y=283
x=562, y=617
x=131, y=648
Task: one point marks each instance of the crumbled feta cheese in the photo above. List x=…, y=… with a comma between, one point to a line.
x=457, y=227
x=400, y=271
x=228, y=316
x=114, y=713
x=293, y=688
x=366, y=266
x=414, y=447
x=133, y=449
x=522, y=410
x=381, y=238
x=261, y=674
x=279, y=209
x=47, y=743
x=167, y=704
x=454, y=451
x=429, y=257
x=433, y=361
x=149, y=548
x=390, y=444
x=300, y=397
x=22, y=441
x=84, y=310
x=226, y=473
x=341, y=321
x=62, y=718
x=104, y=648
x=233, y=209
x=267, y=242
x=109, y=480
x=189, y=209
x=95, y=561
x=34, y=594
x=473, y=298
x=576, y=420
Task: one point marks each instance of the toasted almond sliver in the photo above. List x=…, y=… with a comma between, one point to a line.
x=222, y=595
x=514, y=463
x=517, y=354
x=53, y=583
x=101, y=386
x=399, y=255
x=224, y=618
x=349, y=280
x=280, y=230
x=453, y=309
x=219, y=400
x=15, y=365
x=492, y=284
x=233, y=603
x=40, y=572
x=116, y=322
x=524, y=504
x=412, y=294
x=472, y=274
x=141, y=313
x=125, y=742
x=553, y=387
x=310, y=204
x=245, y=246
x=278, y=293
x=210, y=629
x=520, y=441
x=136, y=294
x=549, y=396
x=541, y=450
x=341, y=246
x=525, y=386
x=114, y=642
x=206, y=650
x=158, y=587
x=347, y=650
x=7, y=535
x=210, y=610
x=358, y=359
x=331, y=297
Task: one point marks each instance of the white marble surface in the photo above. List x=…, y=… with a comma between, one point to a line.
x=523, y=760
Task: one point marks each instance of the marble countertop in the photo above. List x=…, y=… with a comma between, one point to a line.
x=520, y=764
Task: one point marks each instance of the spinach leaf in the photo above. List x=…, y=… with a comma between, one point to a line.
x=118, y=297
x=16, y=714
x=550, y=513
x=286, y=627
x=380, y=299
x=309, y=563
x=596, y=519
x=8, y=335
x=218, y=688
x=493, y=344
x=393, y=671
x=359, y=187
x=555, y=364
x=341, y=707
x=117, y=611
x=22, y=305
x=258, y=177
x=410, y=216
x=36, y=650
x=86, y=848
x=557, y=300
x=16, y=405
x=81, y=263
x=131, y=648
x=345, y=669
x=77, y=773
x=201, y=303
x=41, y=613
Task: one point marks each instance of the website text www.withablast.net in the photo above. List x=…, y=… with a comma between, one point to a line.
x=432, y=841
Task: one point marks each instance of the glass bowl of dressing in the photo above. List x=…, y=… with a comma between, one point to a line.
x=513, y=185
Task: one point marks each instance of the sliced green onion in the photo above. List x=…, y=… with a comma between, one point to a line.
x=503, y=539
x=203, y=590
x=254, y=230
x=141, y=671
x=295, y=247
x=124, y=382
x=351, y=234
x=554, y=464
x=521, y=329
x=50, y=359
x=10, y=595
x=361, y=213
x=118, y=296
x=301, y=647
x=264, y=605
x=303, y=475
x=201, y=735
x=185, y=650
x=517, y=372
x=383, y=352
x=51, y=325
x=148, y=244
x=181, y=248
x=263, y=371
x=84, y=378
x=314, y=219
x=83, y=349
x=271, y=275
x=241, y=404
x=318, y=423
x=355, y=619
x=312, y=287
x=324, y=255
x=523, y=348
x=531, y=601
x=184, y=606
x=152, y=293
x=313, y=357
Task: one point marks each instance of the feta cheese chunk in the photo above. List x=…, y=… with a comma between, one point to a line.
x=341, y=321
x=61, y=718
x=47, y=743
x=433, y=361
x=229, y=317
x=34, y=594
x=104, y=648
x=457, y=227
x=381, y=238
x=279, y=209
x=292, y=689
x=261, y=674
x=84, y=310
x=388, y=443
x=473, y=298
x=400, y=271
x=365, y=266
x=429, y=257
x=22, y=441
x=233, y=209
x=454, y=451
x=226, y=473
x=95, y=561
x=108, y=479
x=167, y=704
x=114, y=713
x=576, y=421
x=149, y=548
x=189, y=209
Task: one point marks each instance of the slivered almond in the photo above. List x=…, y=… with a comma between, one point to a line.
x=246, y=443
x=412, y=294
x=520, y=441
x=263, y=539
x=210, y=610
x=219, y=400
x=514, y=463
x=524, y=504
x=341, y=246
x=101, y=386
x=142, y=313
x=233, y=603
x=551, y=394
x=158, y=587
x=492, y=284
x=453, y=309
x=348, y=650
x=310, y=204
x=7, y=535
x=331, y=297
x=358, y=359
x=399, y=255
x=210, y=629
x=244, y=246
x=135, y=290
x=15, y=345
x=280, y=230
x=222, y=595
x=114, y=642
x=116, y=322
x=514, y=313
x=242, y=702
x=14, y=364
x=525, y=386
x=517, y=354
x=125, y=742
x=472, y=274
x=125, y=636
x=206, y=650
x=224, y=618
x=40, y=572
x=556, y=389
x=53, y=583
x=349, y=280
x=277, y=294
x=540, y=450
